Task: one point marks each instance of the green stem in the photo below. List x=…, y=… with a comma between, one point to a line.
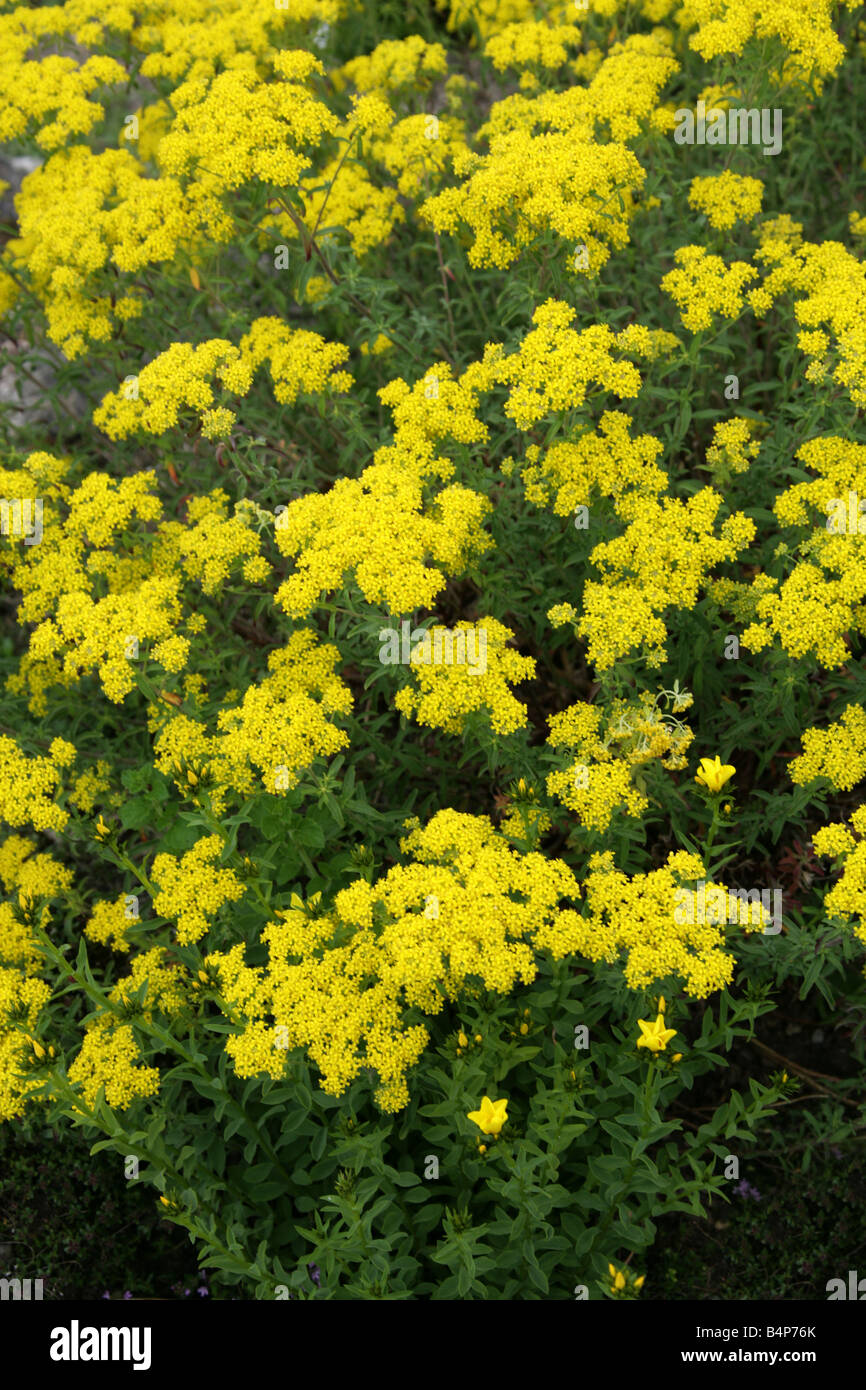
x=711, y=833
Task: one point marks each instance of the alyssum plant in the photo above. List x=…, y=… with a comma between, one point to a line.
x=387, y=963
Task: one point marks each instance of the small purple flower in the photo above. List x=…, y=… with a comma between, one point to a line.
x=315, y=1274
x=127, y=1294
x=186, y=1293
x=745, y=1189
x=106, y=1294
x=203, y=1293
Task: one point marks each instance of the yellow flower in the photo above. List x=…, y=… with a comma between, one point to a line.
x=482, y=1148
x=192, y=887
x=638, y=1283
x=618, y=1279
x=103, y=830
x=478, y=1037
x=677, y=1057
x=524, y=1028
x=655, y=1036
x=726, y=198
x=491, y=1117
x=661, y=1003
x=714, y=774
x=462, y=1040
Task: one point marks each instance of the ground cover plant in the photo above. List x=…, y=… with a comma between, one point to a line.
x=432, y=732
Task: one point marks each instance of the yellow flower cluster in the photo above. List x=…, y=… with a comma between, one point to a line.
x=393, y=65
x=619, y=102
x=545, y=169
x=386, y=525
x=238, y=127
x=847, y=898
x=196, y=40
x=734, y=446
x=529, y=184
x=837, y=752
x=282, y=724
x=490, y=16
x=467, y=908
x=803, y=27
x=108, y=924
x=108, y=1060
x=660, y=561
x=93, y=635
x=85, y=216
x=608, y=744
x=22, y=1000
x=166, y=983
x=531, y=43
x=726, y=198
x=824, y=597
x=594, y=792
x=299, y=362
x=184, y=378
x=92, y=784
x=417, y=149
x=458, y=673
x=603, y=463
x=525, y=822
x=353, y=201
x=192, y=889
x=102, y=585
x=31, y=92
x=556, y=366
x=831, y=284
x=31, y=877
x=378, y=528
x=28, y=787
x=638, y=918
x=278, y=728
x=702, y=286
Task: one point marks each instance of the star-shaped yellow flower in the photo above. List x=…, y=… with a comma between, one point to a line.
x=491, y=1117
x=655, y=1036
x=714, y=773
